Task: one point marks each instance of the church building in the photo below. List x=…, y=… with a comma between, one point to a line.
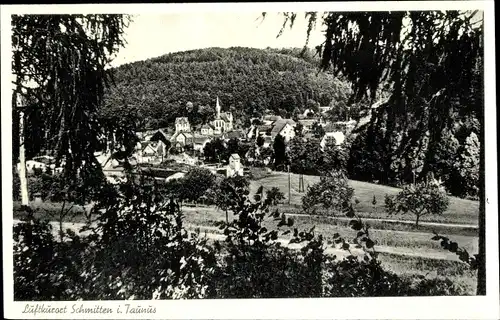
x=223, y=120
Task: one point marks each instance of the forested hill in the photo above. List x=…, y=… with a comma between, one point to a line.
x=246, y=80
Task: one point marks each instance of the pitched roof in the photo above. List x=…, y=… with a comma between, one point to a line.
x=207, y=126
x=159, y=135
x=307, y=122
x=224, y=117
x=235, y=156
x=271, y=117
x=235, y=134
x=280, y=124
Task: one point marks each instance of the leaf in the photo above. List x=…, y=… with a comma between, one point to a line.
x=345, y=246
x=355, y=225
x=360, y=234
x=369, y=243
x=350, y=212
x=453, y=247
x=436, y=238
x=290, y=222
x=274, y=235
x=336, y=235
x=286, y=232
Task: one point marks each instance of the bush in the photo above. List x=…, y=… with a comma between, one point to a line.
x=138, y=250
x=43, y=268
x=332, y=192
x=352, y=277
x=261, y=271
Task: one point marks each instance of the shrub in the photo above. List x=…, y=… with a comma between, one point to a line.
x=262, y=271
x=351, y=277
x=332, y=192
x=43, y=268
x=138, y=250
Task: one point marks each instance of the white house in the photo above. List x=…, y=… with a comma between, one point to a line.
x=234, y=167
x=207, y=129
x=199, y=142
x=180, y=139
x=337, y=135
x=182, y=124
x=285, y=128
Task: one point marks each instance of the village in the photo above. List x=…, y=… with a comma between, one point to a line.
x=184, y=144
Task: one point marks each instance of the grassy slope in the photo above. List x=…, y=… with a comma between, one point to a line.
x=460, y=211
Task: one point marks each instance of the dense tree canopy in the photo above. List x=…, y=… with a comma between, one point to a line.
x=247, y=81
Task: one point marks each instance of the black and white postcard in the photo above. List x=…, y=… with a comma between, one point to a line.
x=250, y=161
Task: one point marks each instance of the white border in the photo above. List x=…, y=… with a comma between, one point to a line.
x=325, y=308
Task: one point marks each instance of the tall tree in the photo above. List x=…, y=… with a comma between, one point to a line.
x=60, y=66
x=279, y=148
x=431, y=63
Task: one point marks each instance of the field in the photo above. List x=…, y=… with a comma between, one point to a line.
x=403, y=248
x=460, y=211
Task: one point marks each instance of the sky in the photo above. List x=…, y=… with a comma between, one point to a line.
x=152, y=35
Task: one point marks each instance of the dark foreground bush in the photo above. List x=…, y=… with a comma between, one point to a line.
x=268, y=272
x=359, y=278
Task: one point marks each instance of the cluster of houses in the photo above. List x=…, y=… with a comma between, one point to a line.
x=155, y=144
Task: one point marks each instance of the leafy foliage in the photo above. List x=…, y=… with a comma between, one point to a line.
x=305, y=155
x=420, y=199
x=196, y=183
x=275, y=195
x=332, y=193
x=60, y=62
x=280, y=157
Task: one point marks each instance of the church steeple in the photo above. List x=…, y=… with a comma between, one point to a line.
x=217, y=108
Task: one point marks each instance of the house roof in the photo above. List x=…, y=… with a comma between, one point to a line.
x=280, y=124
x=307, y=122
x=271, y=117
x=338, y=136
x=200, y=139
x=235, y=134
x=207, y=126
x=161, y=134
x=235, y=156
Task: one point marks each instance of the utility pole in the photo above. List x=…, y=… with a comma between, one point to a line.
x=289, y=189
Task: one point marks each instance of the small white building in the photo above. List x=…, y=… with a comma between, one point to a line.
x=182, y=125
x=207, y=129
x=234, y=167
x=338, y=136
x=285, y=128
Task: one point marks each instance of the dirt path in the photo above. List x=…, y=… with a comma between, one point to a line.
x=211, y=233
